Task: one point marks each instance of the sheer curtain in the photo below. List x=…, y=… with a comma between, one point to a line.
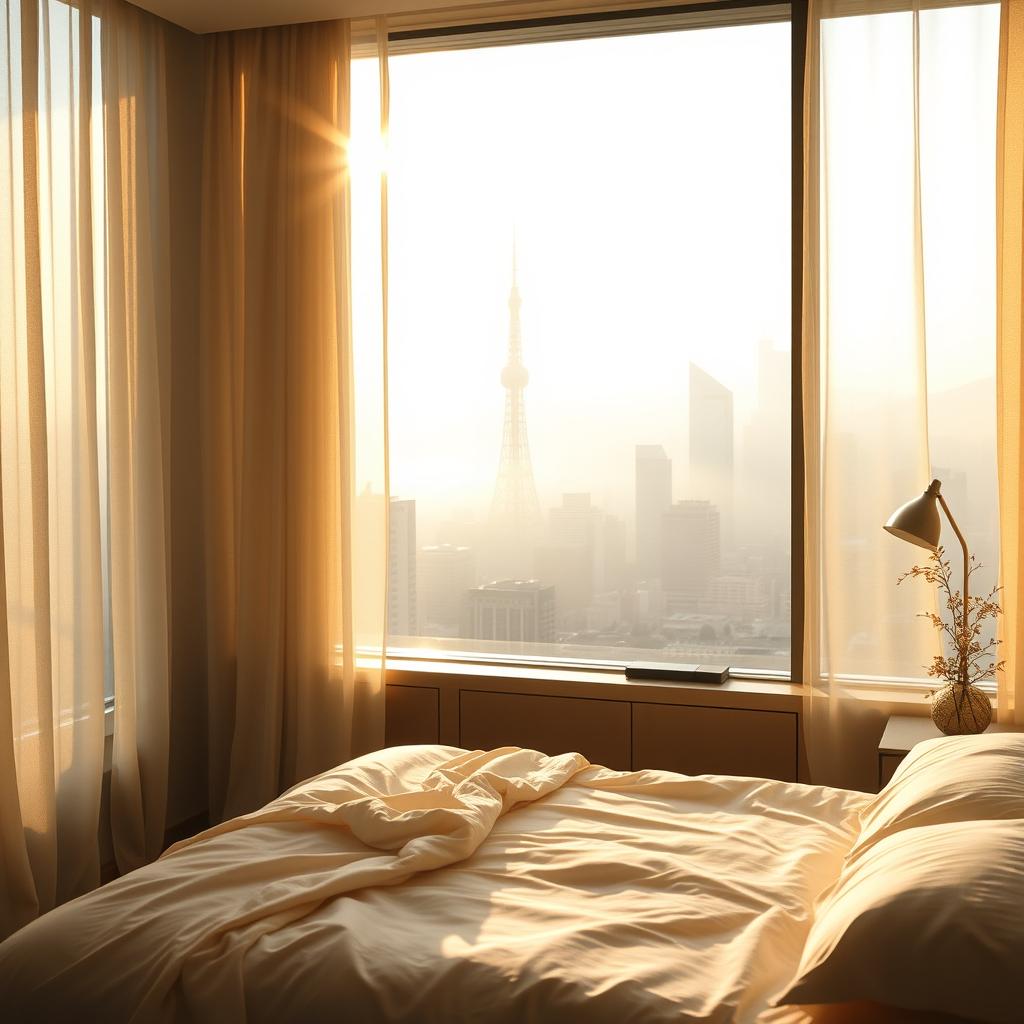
x=899, y=110
x=295, y=553
x=77, y=333
x=138, y=429
x=1010, y=379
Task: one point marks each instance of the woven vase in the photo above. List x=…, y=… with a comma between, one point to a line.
x=960, y=709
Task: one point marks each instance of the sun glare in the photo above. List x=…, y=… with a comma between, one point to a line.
x=367, y=155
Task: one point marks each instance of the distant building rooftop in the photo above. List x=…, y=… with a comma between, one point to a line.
x=520, y=585
x=578, y=502
x=650, y=451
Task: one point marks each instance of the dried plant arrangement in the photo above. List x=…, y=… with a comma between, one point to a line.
x=960, y=706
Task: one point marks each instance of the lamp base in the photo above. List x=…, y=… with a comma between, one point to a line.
x=960, y=709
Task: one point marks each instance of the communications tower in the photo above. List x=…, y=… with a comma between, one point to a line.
x=515, y=507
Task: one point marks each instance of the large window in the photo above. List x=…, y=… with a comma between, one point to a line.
x=590, y=324
x=590, y=331
x=589, y=275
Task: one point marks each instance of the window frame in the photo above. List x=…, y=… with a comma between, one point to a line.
x=406, y=36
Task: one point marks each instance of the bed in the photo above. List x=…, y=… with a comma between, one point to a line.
x=432, y=884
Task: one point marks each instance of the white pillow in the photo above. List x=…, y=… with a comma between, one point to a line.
x=924, y=919
x=953, y=778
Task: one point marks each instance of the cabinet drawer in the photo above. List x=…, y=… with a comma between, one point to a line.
x=598, y=729
x=887, y=765
x=410, y=715
x=715, y=741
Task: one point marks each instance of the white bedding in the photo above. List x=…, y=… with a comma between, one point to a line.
x=424, y=884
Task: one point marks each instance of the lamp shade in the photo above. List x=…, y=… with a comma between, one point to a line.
x=918, y=521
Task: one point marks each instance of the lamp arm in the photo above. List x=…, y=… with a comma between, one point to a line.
x=963, y=544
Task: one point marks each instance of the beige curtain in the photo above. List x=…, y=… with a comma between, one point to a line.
x=895, y=100
x=294, y=560
x=74, y=352
x=1010, y=350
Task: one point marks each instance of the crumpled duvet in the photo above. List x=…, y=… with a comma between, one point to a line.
x=426, y=884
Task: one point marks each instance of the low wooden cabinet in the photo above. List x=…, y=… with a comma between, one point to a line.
x=598, y=729
x=740, y=729
x=411, y=715
x=716, y=741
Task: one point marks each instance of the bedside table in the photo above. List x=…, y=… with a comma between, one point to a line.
x=903, y=732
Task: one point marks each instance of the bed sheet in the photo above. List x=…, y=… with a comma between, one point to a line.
x=425, y=884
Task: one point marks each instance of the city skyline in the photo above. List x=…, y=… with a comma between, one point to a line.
x=569, y=577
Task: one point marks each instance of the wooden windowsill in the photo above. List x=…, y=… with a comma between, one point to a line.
x=611, y=684
x=597, y=683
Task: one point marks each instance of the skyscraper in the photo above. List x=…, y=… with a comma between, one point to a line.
x=580, y=525
x=613, y=570
x=653, y=498
x=575, y=523
x=711, y=444
x=402, y=617
x=572, y=559
x=446, y=573
x=692, y=552
x=761, y=516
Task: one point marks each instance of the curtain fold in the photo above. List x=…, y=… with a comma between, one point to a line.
x=894, y=279
x=293, y=557
x=1010, y=350
x=138, y=430
x=63, y=375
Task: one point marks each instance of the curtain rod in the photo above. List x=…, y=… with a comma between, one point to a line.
x=583, y=18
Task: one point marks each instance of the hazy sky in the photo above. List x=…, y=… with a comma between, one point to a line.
x=647, y=181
